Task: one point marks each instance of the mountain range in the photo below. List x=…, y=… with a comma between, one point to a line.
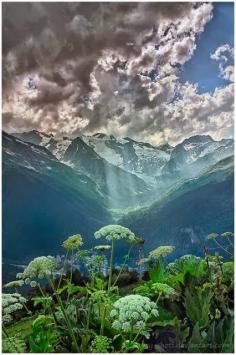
x=54, y=187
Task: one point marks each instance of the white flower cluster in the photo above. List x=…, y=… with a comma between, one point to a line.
x=38, y=268
x=163, y=289
x=102, y=247
x=14, y=284
x=73, y=242
x=11, y=302
x=115, y=232
x=161, y=252
x=131, y=313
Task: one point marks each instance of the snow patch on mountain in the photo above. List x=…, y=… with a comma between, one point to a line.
x=100, y=147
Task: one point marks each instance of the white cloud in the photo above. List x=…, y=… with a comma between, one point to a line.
x=93, y=72
x=223, y=55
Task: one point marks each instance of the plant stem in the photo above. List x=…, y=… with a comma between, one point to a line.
x=232, y=245
x=123, y=265
x=220, y=246
x=71, y=266
x=63, y=269
x=41, y=291
x=137, y=335
x=111, y=264
x=103, y=320
x=4, y=331
x=69, y=327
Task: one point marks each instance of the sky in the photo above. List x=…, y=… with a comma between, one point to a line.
x=157, y=72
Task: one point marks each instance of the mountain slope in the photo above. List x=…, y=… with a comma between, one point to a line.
x=189, y=212
x=44, y=201
x=140, y=158
x=121, y=188
x=194, y=154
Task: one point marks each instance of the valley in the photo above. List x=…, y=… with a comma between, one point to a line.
x=56, y=187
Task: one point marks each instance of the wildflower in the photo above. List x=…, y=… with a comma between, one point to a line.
x=11, y=302
x=161, y=251
x=100, y=344
x=27, y=281
x=131, y=313
x=137, y=240
x=212, y=236
x=227, y=235
x=14, y=284
x=19, y=275
x=163, y=289
x=73, y=242
x=33, y=284
x=102, y=247
x=115, y=232
x=39, y=268
x=143, y=261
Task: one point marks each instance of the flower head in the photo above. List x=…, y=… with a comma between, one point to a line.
x=163, y=289
x=115, y=232
x=11, y=302
x=14, y=284
x=33, y=284
x=227, y=235
x=73, y=242
x=143, y=261
x=131, y=313
x=161, y=251
x=100, y=344
x=212, y=236
x=137, y=240
x=39, y=268
x=102, y=247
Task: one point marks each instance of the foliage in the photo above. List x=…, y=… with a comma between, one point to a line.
x=43, y=338
x=100, y=344
x=197, y=304
x=184, y=306
x=13, y=345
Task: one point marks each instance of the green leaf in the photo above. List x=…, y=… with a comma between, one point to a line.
x=197, y=305
x=228, y=345
x=196, y=343
x=156, y=273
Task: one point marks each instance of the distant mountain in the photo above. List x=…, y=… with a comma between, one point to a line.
x=44, y=201
x=53, y=187
x=56, y=146
x=191, y=210
x=121, y=188
x=160, y=166
x=188, y=158
x=140, y=158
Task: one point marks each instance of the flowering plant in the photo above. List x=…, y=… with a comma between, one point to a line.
x=131, y=314
x=163, y=289
x=115, y=232
x=11, y=302
x=38, y=268
x=102, y=247
x=161, y=252
x=14, y=284
x=73, y=242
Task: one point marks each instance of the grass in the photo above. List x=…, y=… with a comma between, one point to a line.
x=22, y=328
